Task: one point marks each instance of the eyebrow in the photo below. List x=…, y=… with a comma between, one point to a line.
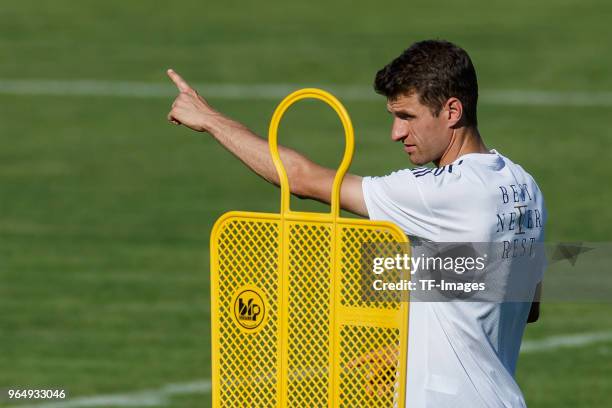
x=401, y=112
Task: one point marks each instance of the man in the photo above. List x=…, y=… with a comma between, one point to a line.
x=461, y=354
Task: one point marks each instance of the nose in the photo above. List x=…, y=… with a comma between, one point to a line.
x=399, y=130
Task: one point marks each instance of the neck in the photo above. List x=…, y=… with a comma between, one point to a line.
x=463, y=141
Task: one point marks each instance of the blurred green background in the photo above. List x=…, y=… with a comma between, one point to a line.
x=105, y=209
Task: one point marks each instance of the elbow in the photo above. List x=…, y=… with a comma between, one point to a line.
x=533, y=318
x=534, y=313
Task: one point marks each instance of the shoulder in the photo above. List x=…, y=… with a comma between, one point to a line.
x=421, y=175
x=430, y=183
x=444, y=173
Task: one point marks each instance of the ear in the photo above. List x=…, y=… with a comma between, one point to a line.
x=453, y=110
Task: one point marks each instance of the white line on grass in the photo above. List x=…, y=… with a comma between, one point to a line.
x=572, y=340
x=133, y=89
x=160, y=397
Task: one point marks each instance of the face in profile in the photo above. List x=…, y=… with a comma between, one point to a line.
x=425, y=137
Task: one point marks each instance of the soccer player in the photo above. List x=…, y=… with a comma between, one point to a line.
x=460, y=354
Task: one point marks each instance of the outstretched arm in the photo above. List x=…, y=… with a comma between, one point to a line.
x=306, y=178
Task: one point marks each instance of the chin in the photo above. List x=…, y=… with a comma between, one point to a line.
x=417, y=161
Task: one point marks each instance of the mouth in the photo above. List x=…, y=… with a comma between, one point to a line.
x=409, y=148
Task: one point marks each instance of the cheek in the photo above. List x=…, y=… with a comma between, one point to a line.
x=423, y=135
x=434, y=135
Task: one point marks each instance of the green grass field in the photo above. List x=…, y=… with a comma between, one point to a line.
x=106, y=210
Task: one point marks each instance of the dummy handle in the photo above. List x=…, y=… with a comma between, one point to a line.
x=311, y=93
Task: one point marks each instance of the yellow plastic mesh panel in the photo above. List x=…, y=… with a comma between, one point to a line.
x=373, y=383
x=248, y=253
x=308, y=315
x=304, y=268
x=352, y=292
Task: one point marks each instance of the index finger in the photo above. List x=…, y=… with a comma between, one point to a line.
x=180, y=83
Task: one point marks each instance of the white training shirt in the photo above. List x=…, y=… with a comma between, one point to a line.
x=464, y=354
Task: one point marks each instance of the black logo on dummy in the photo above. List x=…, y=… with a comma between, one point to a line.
x=249, y=309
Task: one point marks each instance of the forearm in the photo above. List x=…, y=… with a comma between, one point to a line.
x=306, y=178
x=254, y=152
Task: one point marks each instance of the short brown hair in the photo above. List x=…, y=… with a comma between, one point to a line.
x=436, y=70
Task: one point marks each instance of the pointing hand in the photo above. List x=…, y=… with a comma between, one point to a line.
x=189, y=108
